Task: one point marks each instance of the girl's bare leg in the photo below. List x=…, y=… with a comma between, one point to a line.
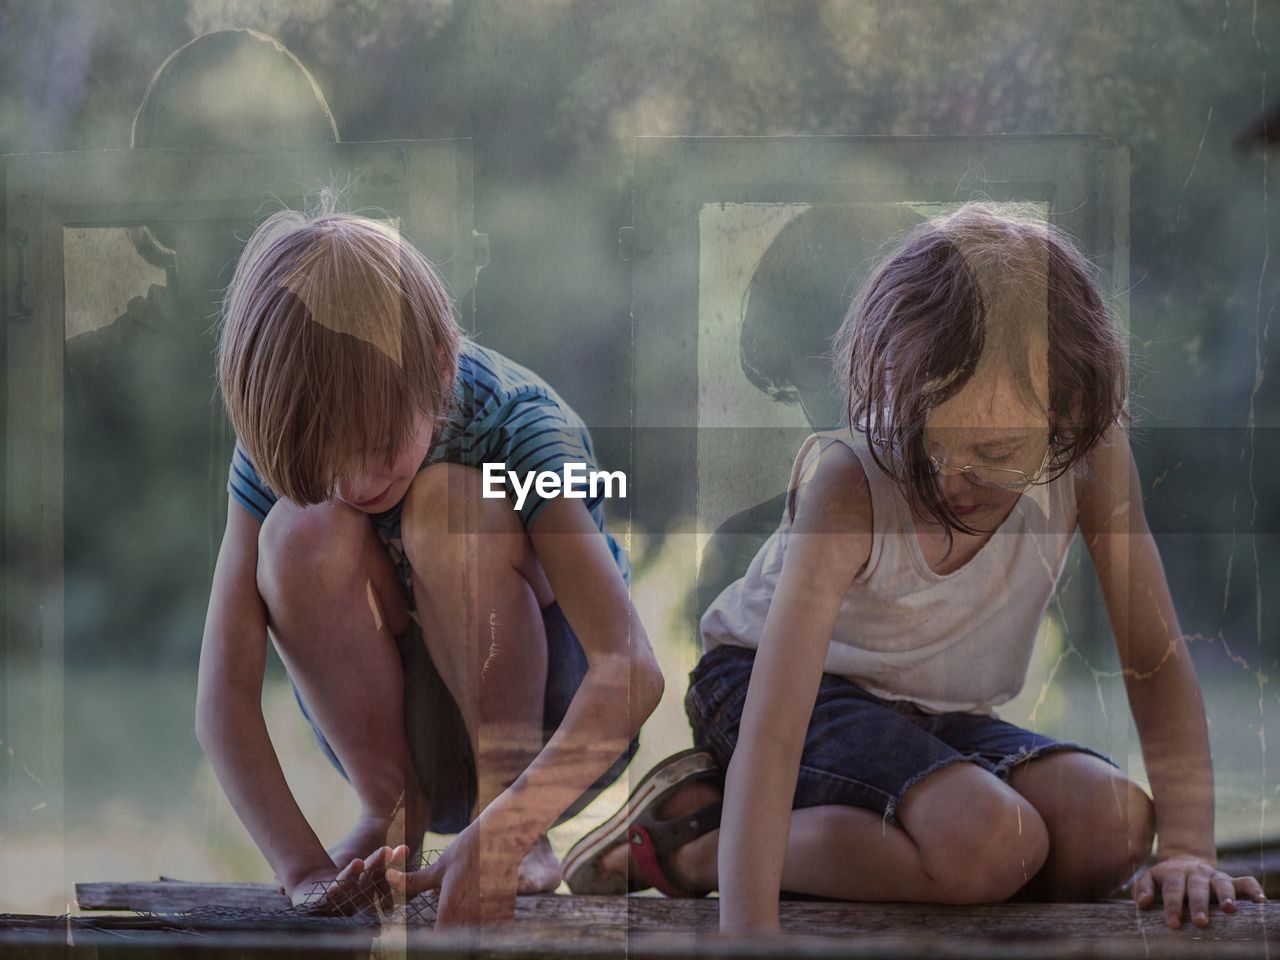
x=966, y=837
x=1101, y=824
x=478, y=590
x=1098, y=823
x=334, y=606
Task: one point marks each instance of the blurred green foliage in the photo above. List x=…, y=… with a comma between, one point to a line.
x=553, y=91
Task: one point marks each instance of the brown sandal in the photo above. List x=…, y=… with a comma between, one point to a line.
x=649, y=839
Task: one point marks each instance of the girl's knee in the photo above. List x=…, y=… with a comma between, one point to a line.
x=1142, y=821
x=996, y=855
x=986, y=852
x=1101, y=824
x=1114, y=839
x=1122, y=819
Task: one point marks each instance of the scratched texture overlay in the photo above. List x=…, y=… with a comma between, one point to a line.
x=611, y=191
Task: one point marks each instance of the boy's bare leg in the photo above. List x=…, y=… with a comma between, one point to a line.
x=334, y=606
x=479, y=590
x=848, y=853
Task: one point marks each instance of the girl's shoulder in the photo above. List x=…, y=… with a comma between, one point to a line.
x=830, y=484
x=1106, y=482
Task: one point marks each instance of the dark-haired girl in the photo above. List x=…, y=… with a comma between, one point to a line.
x=848, y=688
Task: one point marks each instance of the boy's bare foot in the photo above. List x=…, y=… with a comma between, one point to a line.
x=692, y=866
x=539, y=871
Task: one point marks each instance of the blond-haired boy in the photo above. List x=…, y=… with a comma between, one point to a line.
x=467, y=667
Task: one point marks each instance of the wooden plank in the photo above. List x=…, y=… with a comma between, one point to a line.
x=1261, y=860
x=570, y=917
x=108, y=937
x=1105, y=920
x=112, y=936
x=173, y=896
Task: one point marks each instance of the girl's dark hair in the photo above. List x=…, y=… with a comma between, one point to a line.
x=974, y=288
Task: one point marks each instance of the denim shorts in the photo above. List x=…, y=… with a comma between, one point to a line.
x=437, y=736
x=860, y=750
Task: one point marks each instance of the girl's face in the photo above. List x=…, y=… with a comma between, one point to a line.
x=988, y=422
x=375, y=485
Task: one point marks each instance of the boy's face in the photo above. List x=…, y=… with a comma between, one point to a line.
x=375, y=486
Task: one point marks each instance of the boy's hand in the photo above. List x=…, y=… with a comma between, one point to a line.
x=476, y=885
x=360, y=884
x=1194, y=880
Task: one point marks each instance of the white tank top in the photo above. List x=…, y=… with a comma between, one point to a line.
x=959, y=641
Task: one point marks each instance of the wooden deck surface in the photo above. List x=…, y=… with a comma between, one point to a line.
x=248, y=920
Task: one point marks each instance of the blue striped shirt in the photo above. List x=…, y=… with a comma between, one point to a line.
x=502, y=413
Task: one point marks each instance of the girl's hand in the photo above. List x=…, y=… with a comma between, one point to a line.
x=477, y=885
x=361, y=883
x=1192, y=879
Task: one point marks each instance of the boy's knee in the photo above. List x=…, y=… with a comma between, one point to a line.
x=316, y=546
x=446, y=522
x=989, y=855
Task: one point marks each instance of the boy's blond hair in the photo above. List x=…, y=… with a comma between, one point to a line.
x=336, y=333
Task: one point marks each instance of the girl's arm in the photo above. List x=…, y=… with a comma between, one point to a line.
x=830, y=542
x=1161, y=684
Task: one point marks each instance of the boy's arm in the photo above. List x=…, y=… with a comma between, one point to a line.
x=622, y=686
x=1160, y=680
x=829, y=543
x=229, y=721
